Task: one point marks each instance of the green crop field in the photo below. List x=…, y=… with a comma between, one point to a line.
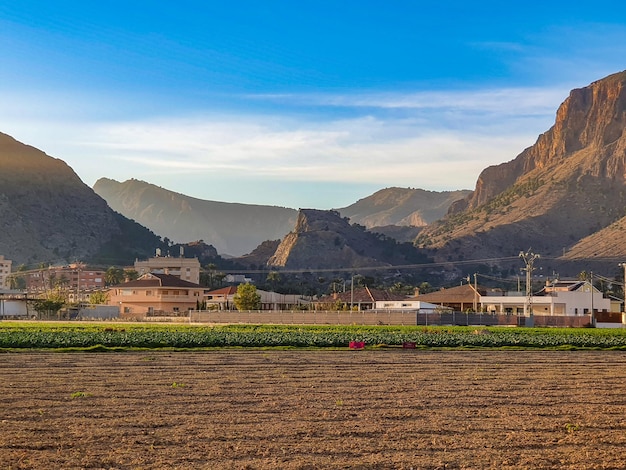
x=114, y=336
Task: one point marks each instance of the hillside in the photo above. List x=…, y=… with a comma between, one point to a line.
x=232, y=228
x=325, y=240
x=567, y=186
x=401, y=207
x=48, y=215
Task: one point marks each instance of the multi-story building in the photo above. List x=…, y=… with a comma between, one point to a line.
x=156, y=294
x=5, y=271
x=78, y=279
x=186, y=269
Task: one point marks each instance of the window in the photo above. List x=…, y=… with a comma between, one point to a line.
x=148, y=292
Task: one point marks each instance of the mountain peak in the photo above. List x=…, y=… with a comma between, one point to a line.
x=566, y=186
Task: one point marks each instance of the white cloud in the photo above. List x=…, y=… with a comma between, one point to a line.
x=439, y=140
x=504, y=101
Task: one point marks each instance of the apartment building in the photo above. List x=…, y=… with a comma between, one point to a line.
x=186, y=269
x=5, y=271
x=79, y=279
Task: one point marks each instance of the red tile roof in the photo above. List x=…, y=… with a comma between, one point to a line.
x=230, y=290
x=368, y=295
x=464, y=293
x=159, y=280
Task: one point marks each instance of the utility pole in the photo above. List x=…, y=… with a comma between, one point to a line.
x=352, y=292
x=529, y=259
x=623, y=265
x=593, y=318
x=475, y=294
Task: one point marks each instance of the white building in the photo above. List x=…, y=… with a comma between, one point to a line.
x=411, y=304
x=187, y=269
x=237, y=279
x=13, y=304
x=5, y=271
x=556, y=298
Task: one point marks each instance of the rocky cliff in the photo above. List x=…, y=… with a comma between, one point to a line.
x=48, y=215
x=567, y=186
x=325, y=240
x=591, y=119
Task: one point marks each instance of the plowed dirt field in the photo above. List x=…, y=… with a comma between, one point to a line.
x=372, y=409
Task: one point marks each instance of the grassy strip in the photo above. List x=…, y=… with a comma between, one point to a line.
x=112, y=336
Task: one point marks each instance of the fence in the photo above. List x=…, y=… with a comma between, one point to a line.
x=373, y=317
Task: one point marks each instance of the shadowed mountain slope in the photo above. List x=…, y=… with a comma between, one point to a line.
x=233, y=229
x=48, y=215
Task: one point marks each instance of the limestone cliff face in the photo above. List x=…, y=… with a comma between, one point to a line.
x=325, y=240
x=593, y=117
x=321, y=239
x=567, y=186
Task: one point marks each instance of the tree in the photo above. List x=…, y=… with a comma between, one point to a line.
x=98, y=298
x=17, y=282
x=247, y=297
x=210, y=270
x=425, y=288
x=113, y=276
x=219, y=278
x=130, y=275
x=50, y=305
x=273, y=278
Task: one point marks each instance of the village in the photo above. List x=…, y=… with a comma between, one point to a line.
x=167, y=288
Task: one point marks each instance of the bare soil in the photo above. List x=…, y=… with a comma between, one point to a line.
x=372, y=409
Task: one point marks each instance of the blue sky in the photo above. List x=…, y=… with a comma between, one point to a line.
x=302, y=104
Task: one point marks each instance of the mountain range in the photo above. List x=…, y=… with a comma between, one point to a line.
x=564, y=197
x=237, y=229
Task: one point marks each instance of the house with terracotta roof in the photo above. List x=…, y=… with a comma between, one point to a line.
x=362, y=298
x=222, y=299
x=156, y=294
x=459, y=298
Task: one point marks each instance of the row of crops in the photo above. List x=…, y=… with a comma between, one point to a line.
x=102, y=336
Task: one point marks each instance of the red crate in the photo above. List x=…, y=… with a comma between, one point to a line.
x=408, y=345
x=357, y=344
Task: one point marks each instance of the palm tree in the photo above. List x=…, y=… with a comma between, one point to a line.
x=273, y=278
x=113, y=276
